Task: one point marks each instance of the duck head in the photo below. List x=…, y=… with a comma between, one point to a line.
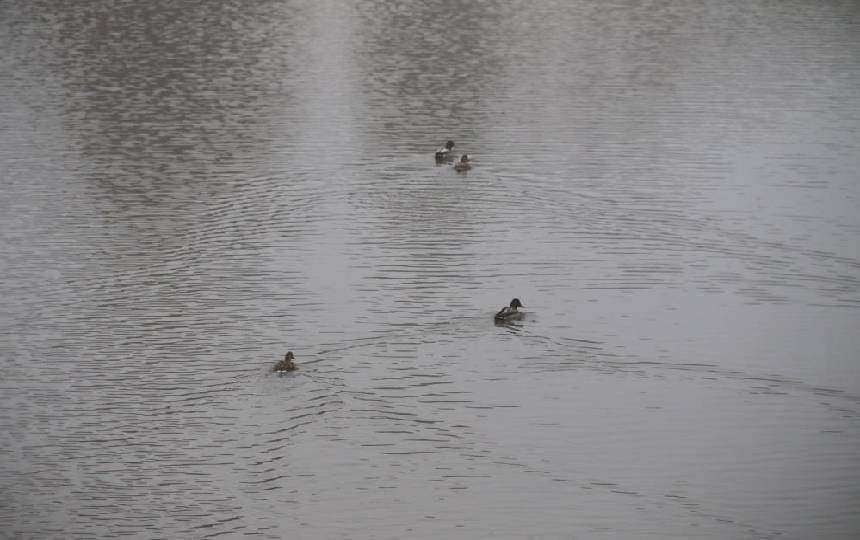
x=515, y=303
x=288, y=363
x=449, y=145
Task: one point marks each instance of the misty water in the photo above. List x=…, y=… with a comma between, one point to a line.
x=188, y=189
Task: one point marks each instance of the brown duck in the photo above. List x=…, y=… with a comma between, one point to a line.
x=286, y=364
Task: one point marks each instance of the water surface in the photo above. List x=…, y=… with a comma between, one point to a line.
x=189, y=189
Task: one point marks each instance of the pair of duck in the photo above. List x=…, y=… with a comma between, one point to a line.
x=444, y=155
x=507, y=313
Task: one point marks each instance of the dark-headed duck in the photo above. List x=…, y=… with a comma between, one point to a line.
x=444, y=153
x=509, y=313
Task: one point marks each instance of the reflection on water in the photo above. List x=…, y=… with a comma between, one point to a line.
x=189, y=189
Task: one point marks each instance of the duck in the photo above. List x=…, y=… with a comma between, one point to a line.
x=444, y=152
x=286, y=364
x=509, y=313
x=463, y=164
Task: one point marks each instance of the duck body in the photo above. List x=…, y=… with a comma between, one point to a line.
x=285, y=365
x=509, y=312
x=444, y=153
x=463, y=164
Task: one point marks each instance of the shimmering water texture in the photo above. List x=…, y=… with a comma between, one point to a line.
x=190, y=189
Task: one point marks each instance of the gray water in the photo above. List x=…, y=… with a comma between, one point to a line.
x=190, y=188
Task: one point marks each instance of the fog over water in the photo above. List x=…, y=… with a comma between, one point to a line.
x=188, y=189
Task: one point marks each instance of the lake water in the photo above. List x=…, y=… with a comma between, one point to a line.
x=190, y=189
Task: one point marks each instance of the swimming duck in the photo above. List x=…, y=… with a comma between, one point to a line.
x=464, y=164
x=444, y=153
x=509, y=313
x=286, y=364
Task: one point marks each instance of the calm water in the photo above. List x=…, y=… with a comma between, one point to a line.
x=190, y=188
